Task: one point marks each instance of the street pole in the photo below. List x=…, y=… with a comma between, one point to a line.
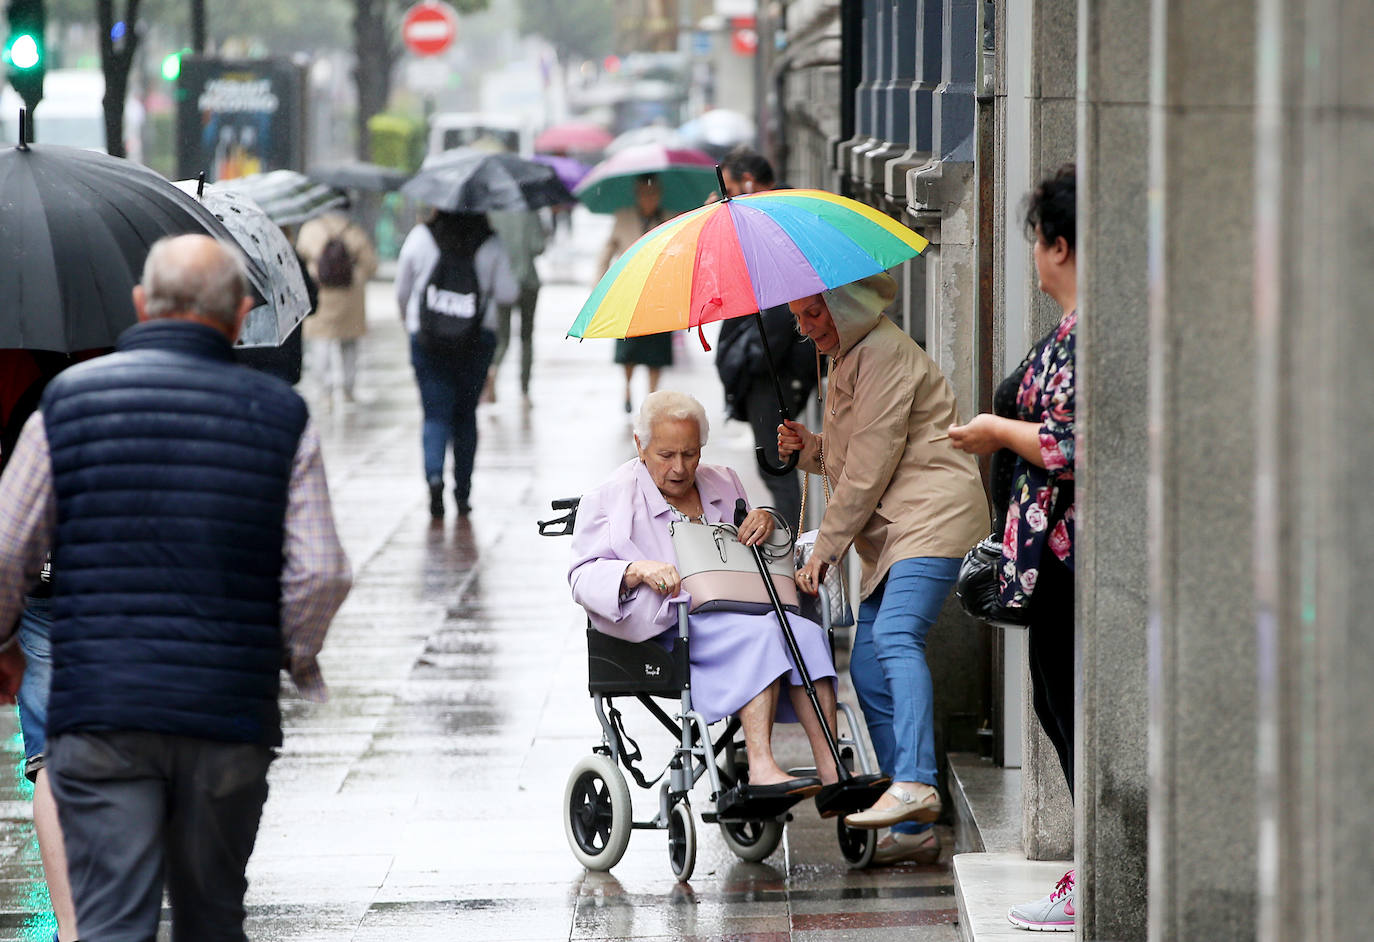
x=198, y=27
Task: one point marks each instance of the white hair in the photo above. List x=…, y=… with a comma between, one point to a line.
x=670, y=405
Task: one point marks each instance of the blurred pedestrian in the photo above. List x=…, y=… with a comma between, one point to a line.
x=654, y=351
x=912, y=506
x=24, y=375
x=740, y=361
x=1030, y=436
x=340, y=257
x=522, y=233
x=451, y=276
x=184, y=501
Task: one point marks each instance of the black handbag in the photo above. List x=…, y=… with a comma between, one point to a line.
x=979, y=591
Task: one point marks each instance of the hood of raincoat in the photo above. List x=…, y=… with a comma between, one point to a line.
x=857, y=307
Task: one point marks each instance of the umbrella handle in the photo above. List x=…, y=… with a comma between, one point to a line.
x=766, y=464
x=775, y=470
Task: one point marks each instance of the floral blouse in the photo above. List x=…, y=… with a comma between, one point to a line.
x=1036, y=517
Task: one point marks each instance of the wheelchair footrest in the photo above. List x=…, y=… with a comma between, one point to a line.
x=855, y=793
x=736, y=804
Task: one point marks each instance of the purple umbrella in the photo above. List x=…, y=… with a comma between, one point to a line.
x=568, y=169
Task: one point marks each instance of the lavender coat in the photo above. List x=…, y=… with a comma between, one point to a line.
x=627, y=519
x=734, y=656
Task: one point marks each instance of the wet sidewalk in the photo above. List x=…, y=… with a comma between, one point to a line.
x=423, y=801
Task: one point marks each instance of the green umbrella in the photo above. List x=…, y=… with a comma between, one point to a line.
x=685, y=178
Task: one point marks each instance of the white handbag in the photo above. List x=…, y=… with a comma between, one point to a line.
x=720, y=573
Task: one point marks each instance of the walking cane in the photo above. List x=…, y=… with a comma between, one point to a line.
x=852, y=792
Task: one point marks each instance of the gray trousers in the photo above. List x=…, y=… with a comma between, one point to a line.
x=140, y=810
x=761, y=406
x=529, y=297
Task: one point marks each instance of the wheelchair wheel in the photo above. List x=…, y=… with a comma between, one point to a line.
x=682, y=841
x=751, y=840
x=856, y=844
x=596, y=812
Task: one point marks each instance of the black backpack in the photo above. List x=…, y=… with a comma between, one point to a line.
x=451, y=305
x=335, y=264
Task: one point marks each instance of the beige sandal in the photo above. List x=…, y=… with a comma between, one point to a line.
x=923, y=848
x=909, y=807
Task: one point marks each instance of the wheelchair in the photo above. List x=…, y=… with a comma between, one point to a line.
x=597, y=812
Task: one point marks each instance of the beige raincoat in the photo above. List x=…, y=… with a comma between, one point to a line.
x=897, y=494
x=342, y=312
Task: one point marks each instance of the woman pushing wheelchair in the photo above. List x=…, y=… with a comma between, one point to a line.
x=625, y=575
x=911, y=505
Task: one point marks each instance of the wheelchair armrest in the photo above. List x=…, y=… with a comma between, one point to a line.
x=616, y=667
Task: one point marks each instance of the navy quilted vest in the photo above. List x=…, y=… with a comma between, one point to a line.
x=172, y=467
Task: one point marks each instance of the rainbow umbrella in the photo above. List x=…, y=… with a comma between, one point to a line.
x=740, y=256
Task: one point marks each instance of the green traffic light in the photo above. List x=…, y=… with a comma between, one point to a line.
x=171, y=67
x=23, y=52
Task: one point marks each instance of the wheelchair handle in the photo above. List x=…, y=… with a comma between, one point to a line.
x=564, y=523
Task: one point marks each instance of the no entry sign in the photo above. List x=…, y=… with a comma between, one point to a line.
x=429, y=28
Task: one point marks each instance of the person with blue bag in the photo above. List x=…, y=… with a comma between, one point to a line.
x=911, y=506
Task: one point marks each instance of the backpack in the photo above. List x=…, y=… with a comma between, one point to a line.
x=335, y=264
x=451, y=305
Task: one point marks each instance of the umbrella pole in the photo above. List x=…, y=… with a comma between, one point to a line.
x=765, y=463
x=794, y=649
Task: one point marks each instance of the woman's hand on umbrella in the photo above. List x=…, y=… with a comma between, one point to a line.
x=810, y=576
x=661, y=577
x=982, y=436
x=756, y=528
x=793, y=437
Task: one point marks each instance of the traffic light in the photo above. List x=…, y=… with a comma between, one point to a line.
x=25, y=52
x=171, y=65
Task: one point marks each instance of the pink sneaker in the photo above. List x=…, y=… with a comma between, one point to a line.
x=1053, y=913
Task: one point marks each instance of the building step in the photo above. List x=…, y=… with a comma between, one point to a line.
x=991, y=871
x=988, y=884
x=987, y=805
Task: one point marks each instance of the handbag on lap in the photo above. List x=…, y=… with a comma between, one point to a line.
x=720, y=573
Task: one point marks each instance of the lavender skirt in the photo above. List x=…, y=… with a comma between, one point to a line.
x=734, y=657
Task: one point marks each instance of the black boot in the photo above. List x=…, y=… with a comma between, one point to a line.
x=436, y=499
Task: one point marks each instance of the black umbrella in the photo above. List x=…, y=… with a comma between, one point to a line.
x=469, y=180
x=372, y=178
x=75, y=228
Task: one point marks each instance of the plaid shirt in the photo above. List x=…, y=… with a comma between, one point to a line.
x=315, y=576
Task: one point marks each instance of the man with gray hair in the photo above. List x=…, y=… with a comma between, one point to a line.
x=184, y=502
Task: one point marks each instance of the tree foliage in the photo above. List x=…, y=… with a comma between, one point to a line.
x=577, y=29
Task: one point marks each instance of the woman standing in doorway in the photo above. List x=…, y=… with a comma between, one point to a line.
x=1031, y=439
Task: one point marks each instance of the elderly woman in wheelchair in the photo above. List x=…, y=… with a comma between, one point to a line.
x=624, y=574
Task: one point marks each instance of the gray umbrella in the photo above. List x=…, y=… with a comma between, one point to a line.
x=472, y=180
x=266, y=245
x=287, y=197
x=373, y=178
